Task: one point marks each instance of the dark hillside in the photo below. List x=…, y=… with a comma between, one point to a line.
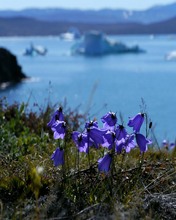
x=22, y=26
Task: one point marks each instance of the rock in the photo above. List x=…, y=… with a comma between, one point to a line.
x=161, y=206
x=10, y=70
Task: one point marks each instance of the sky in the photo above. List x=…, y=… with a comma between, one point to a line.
x=82, y=4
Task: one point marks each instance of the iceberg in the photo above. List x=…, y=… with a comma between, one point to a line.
x=35, y=50
x=72, y=34
x=95, y=43
x=171, y=55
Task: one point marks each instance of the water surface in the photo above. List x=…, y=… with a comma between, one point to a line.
x=114, y=82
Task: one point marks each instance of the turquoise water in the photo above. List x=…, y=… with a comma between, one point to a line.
x=113, y=82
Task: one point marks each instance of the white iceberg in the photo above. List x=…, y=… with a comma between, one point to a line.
x=95, y=43
x=35, y=50
x=72, y=34
x=171, y=55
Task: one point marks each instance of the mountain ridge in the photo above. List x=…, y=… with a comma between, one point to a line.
x=151, y=15
x=22, y=26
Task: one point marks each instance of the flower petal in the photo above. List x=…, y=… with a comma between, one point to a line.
x=142, y=142
x=136, y=122
x=58, y=157
x=58, y=115
x=104, y=163
x=109, y=120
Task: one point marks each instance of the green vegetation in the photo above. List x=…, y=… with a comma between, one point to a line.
x=32, y=188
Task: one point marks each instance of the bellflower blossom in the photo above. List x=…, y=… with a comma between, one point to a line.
x=81, y=141
x=119, y=146
x=127, y=144
x=59, y=129
x=104, y=163
x=58, y=157
x=136, y=122
x=58, y=115
x=109, y=139
x=112, y=137
x=142, y=142
x=171, y=146
x=165, y=143
x=90, y=124
x=109, y=120
x=96, y=135
x=120, y=132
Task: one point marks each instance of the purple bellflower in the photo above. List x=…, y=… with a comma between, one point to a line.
x=171, y=146
x=59, y=129
x=119, y=146
x=104, y=163
x=81, y=141
x=96, y=135
x=58, y=115
x=127, y=144
x=58, y=157
x=142, y=142
x=90, y=124
x=109, y=120
x=136, y=122
x=165, y=143
x=109, y=139
x=120, y=132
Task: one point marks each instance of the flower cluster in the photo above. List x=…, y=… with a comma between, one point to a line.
x=58, y=126
x=112, y=136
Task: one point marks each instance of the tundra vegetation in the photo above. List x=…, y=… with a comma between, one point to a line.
x=55, y=163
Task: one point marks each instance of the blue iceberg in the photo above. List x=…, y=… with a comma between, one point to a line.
x=35, y=50
x=95, y=43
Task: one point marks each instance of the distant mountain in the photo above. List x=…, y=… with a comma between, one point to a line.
x=105, y=16
x=22, y=26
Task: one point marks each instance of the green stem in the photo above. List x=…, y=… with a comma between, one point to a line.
x=88, y=154
x=123, y=157
x=141, y=161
